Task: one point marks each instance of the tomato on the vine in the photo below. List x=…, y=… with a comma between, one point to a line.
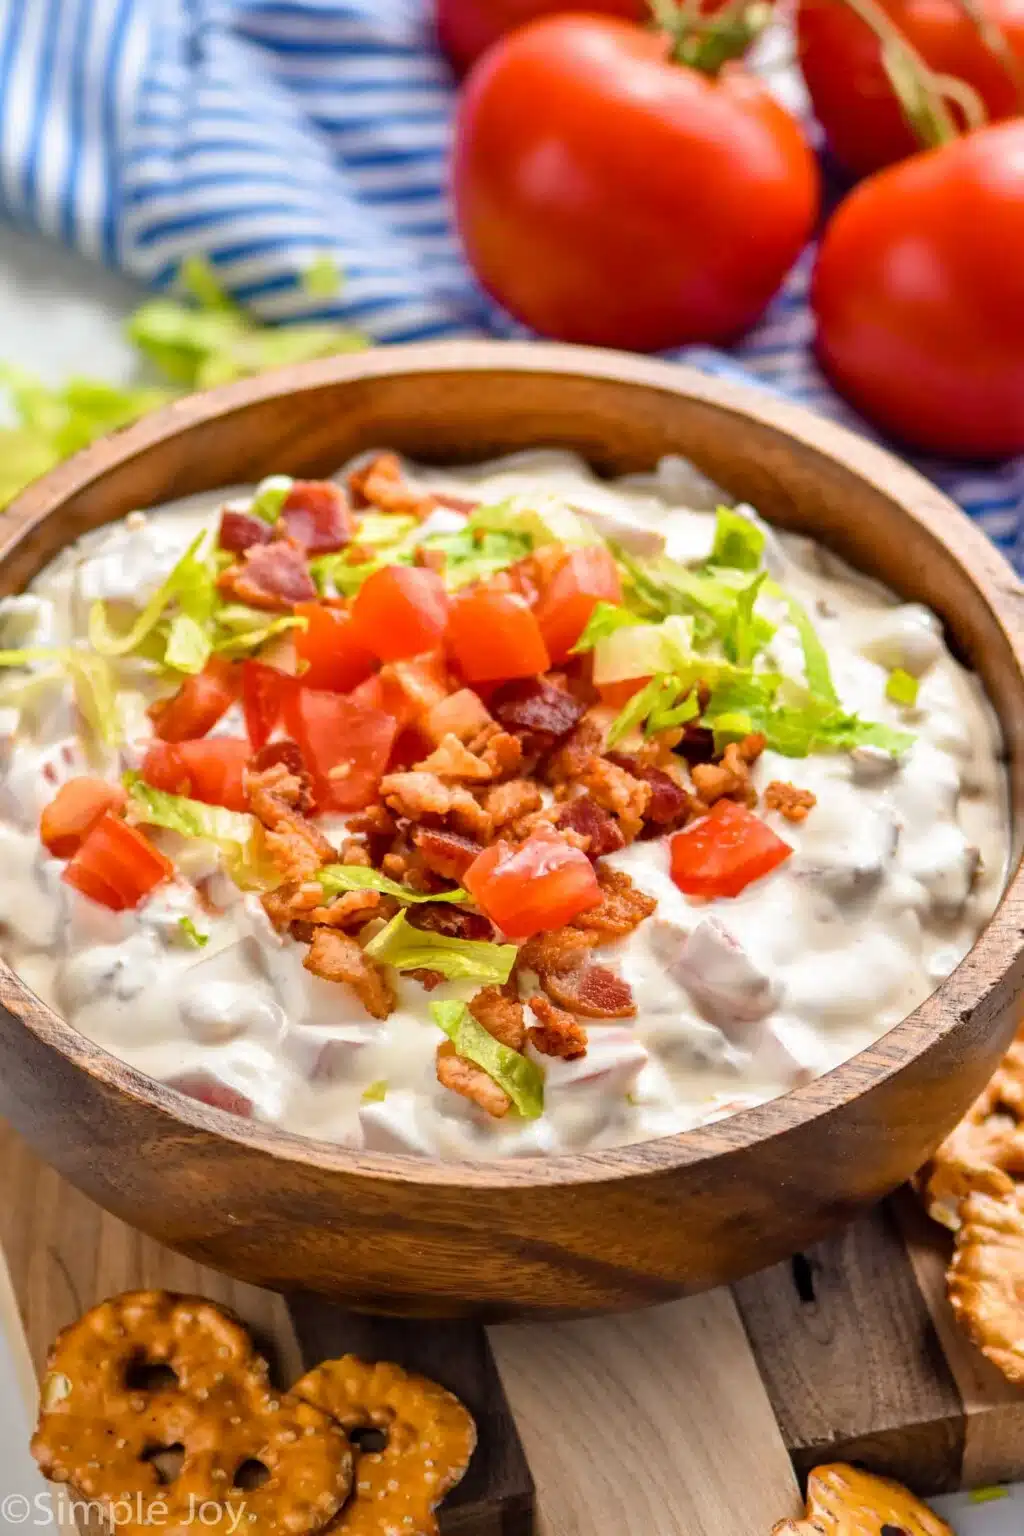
x=608, y=194
x=853, y=97
x=919, y=296
x=466, y=27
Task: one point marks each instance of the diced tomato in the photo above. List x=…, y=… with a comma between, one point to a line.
x=199, y=702
x=345, y=747
x=585, y=577
x=406, y=690
x=117, y=865
x=542, y=884
x=619, y=694
x=265, y=691
x=211, y=770
x=400, y=611
x=316, y=514
x=725, y=852
x=334, y=659
x=495, y=636
x=74, y=811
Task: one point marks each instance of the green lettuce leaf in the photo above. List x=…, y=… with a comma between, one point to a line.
x=271, y=495
x=473, y=556
x=191, y=584
x=738, y=541
x=520, y=1077
x=192, y=937
x=189, y=646
x=665, y=703
x=746, y=632
x=902, y=688
x=229, y=639
x=605, y=619
x=338, y=878
x=91, y=677
x=409, y=949
x=541, y=519
x=658, y=588
x=384, y=529
x=375, y=1093
x=643, y=650
x=816, y=664
x=239, y=835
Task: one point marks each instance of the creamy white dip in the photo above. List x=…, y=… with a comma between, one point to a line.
x=894, y=873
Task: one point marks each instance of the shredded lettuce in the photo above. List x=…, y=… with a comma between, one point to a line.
x=338, y=878
x=189, y=646
x=229, y=640
x=643, y=650
x=902, y=688
x=91, y=677
x=665, y=703
x=409, y=949
x=794, y=721
x=271, y=495
x=605, y=619
x=190, y=584
x=375, y=1093
x=384, y=528
x=738, y=541
x=520, y=1077
x=192, y=937
x=746, y=632
x=473, y=556
x=542, y=520
x=239, y=835
x=816, y=663
x=657, y=588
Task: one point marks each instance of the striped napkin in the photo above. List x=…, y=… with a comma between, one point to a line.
x=264, y=134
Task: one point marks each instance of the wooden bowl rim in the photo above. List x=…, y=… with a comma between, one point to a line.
x=981, y=971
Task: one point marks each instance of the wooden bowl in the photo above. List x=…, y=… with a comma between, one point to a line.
x=596, y=1230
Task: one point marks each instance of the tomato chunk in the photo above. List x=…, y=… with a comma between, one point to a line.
x=495, y=636
x=212, y=771
x=265, y=692
x=400, y=611
x=117, y=865
x=586, y=577
x=199, y=702
x=74, y=811
x=316, y=514
x=346, y=747
x=335, y=660
x=619, y=694
x=725, y=852
x=542, y=884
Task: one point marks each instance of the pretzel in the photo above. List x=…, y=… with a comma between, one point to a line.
x=844, y=1501
x=986, y=1279
x=101, y=1424
x=430, y=1440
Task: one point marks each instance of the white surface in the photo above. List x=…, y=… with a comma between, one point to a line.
x=59, y=316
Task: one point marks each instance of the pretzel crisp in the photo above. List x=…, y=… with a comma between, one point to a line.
x=844, y=1501
x=430, y=1440
x=986, y=1279
x=106, y=1416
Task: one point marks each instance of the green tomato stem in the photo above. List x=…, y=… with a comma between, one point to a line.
x=708, y=43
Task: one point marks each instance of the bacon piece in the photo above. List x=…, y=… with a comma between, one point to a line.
x=273, y=576
x=428, y=980
x=464, y=504
x=558, y=1033
x=619, y=792
x=239, y=531
x=422, y=795
x=471, y=1082
x=288, y=754
x=573, y=756
x=447, y=854
x=729, y=779
x=501, y=1016
x=601, y=832
x=795, y=804
x=557, y=952
x=451, y=922
x=507, y=802
x=534, y=708
x=592, y=990
x=294, y=844
x=336, y=957
x=451, y=760
x=462, y=714
x=317, y=516
x=697, y=745
x=382, y=483
x=670, y=805
x=623, y=906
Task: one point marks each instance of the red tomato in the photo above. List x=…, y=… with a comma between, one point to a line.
x=619, y=694
x=117, y=865
x=586, y=577
x=855, y=103
x=722, y=854
x=606, y=195
x=211, y=771
x=542, y=884
x=466, y=27
x=400, y=611
x=495, y=636
x=334, y=659
x=74, y=811
x=265, y=692
x=920, y=303
x=345, y=747
x=198, y=703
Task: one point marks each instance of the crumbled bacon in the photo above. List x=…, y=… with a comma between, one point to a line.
x=697, y=745
x=428, y=980
x=731, y=777
x=295, y=845
x=506, y=803
x=351, y=910
x=317, y=516
x=555, y=952
x=288, y=754
x=534, y=708
x=626, y=797
x=623, y=906
x=239, y=531
x=470, y=1081
x=462, y=714
x=303, y=904
x=501, y=1016
x=336, y=957
x=273, y=576
x=447, y=854
x=795, y=804
x=451, y=760
x=557, y=1033
x=567, y=763
x=670, y=805
x=592, y=990
x=422, y=795
x=381, y=483
x=600, y=831
x=355, y=852
x=452, y=922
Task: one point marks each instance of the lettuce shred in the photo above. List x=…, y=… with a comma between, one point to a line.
x=338, y=878
x=520, y=1077
x=409, y=949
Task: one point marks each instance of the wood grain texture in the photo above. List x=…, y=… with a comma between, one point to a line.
x=600, y=1230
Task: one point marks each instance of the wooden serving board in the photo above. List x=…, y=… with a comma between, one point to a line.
x=692, y=1419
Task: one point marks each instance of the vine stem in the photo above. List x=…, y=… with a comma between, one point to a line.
x=995, y=40
x=708, y=42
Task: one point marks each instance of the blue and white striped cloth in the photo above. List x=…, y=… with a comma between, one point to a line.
x=264, y=133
